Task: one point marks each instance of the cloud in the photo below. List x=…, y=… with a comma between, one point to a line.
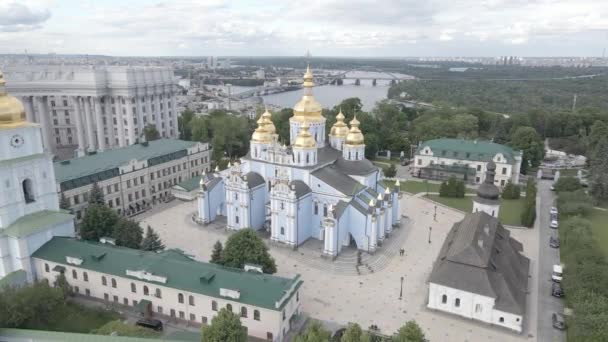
x=18, y=16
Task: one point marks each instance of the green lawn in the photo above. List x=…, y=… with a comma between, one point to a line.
x=416, y=187
x=510, y=210
x=599, y=228
x=76, y=318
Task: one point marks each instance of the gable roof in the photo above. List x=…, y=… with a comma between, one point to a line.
x=182, y=273
x=300, y=188
x=356, y=167
x=479, y=256
x=475, y=150
x=254, y=179
x=337, y=179
x=36, y=222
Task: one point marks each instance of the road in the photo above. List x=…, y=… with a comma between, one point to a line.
x=548, y=256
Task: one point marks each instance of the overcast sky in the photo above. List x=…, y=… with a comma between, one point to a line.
x=290, y=28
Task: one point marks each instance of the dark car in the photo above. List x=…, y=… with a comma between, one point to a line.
x=556, y=290
x=554, y=242
x=558, y=321
x=150, y=323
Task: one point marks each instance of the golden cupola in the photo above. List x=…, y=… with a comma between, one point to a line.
x=268, y=124
x=354, y=136
x=12, y=113
x=304, y=138
x=261, y=135
x=307, y=109
x=339, y=129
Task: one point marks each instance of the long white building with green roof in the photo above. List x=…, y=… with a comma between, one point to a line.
x=132, y=178
x=467, y=160
x=172, y=285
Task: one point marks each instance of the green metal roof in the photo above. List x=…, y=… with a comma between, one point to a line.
x=112, y=159
x=14, y=278
x=261, y=290
x=35, y=222
x=56, y=336
x=475, y=150
x=189, y=184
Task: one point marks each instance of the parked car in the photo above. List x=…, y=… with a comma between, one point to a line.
x=558, y=321
x=150, y=323
x=556, y=290
x=554, y=242
x=556, y=276
x=553, y=224
x=553, y=211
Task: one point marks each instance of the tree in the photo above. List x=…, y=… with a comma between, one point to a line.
x=567, y=184
x=314, y=333
x=96, y=195
x=245, y=246
x=62, y=283
x=574, y=203
x=30, y=304
x=216, y=254
x=527, y=139
x=64, y=203
x=528, y=215
x=410, y=332
x=98, y=221
x=390, y=171
x=225, y=327
x=452, y=188
x=354, y=333
x=598, y=168
x=150, y=132
x=151, y=241
x=511, y=191
x=128, y=233
x=183, y=122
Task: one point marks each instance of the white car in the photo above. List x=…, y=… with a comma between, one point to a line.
x=553, y=224
x=553, y=211
x=556, y=276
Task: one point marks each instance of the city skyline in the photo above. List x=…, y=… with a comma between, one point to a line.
x=326, y=28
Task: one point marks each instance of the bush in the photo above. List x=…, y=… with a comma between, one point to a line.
x=528, y=215
x=574, y=203
x=567, y=184
x=124, y=329
x=390, y=171
x=511, y=191
x=452, y=188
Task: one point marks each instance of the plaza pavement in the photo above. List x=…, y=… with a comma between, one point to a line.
x=371, y=298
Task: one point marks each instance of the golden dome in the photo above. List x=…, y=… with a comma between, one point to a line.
x=339, y=129
x=268, y=124
x=12, y=113
x=261, y=135
x=304, y=138
x=307, y=109
x=354, y=136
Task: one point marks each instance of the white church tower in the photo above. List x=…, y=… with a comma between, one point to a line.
x=29, y=203
x=354, y=146
x=304, y=147
x=488, y=193
x=308, y=110
x=338, y=132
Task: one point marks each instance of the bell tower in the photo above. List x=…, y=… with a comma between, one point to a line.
x=488, y=193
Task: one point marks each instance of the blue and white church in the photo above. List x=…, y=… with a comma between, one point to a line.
x=320, y=188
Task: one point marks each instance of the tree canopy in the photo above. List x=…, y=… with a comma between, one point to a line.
x=225, y=327
x=314, y=333
x=246, y=247
x=151, y=241
x=410, y=332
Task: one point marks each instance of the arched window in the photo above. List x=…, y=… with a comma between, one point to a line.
x=191, y=300
x=325, y=210
x=457, y=302
x=104, y=282
x=28, y=190
x=214, y=305
x=114, y=284
x=316, y=208
x=357, y=155
x=256, y=315
x=269, y=185
x=282, y=230
x=180, y=298
x=158, y=294
x=349, y=157
x=444, y=299
x=85, y=276
x=46, y=267
x=146, y=291
x=74, y=274
x=307, y=158
x=229, y=307
x=133, y=288
x=501, y=320
x=243, y=311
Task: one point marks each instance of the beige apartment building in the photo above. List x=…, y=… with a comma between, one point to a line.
x=132, y=178
x=171, y=285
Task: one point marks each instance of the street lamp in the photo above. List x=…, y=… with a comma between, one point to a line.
x=401, y=291
x=430, y=229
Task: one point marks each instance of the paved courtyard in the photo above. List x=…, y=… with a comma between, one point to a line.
x=336, y=292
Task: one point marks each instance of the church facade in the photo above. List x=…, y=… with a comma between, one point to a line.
x=315, y=188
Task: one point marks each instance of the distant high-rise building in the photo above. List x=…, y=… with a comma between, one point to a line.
x=94, y=108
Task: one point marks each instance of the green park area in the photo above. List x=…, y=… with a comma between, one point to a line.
x=510, y=210
x=415, y=187
x=599, y=228
x=75, y=318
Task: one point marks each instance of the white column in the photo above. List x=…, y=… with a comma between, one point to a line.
x=44, y=120
x=29, y=109
x=119, y=121
x=101, y=142
x=89, y=123
x=79, y=128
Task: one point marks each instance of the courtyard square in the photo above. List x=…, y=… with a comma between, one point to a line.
x=337, y=294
